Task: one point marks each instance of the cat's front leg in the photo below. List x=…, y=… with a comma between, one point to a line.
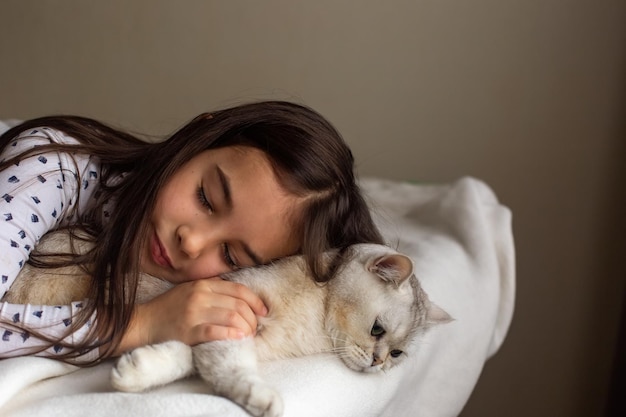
x=153, y=365
x=230, y=369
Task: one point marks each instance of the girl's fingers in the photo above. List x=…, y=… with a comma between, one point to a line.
x=211, y=332
x=195, y=312
x=230, y=312
x=232, y=299
x=241, y=292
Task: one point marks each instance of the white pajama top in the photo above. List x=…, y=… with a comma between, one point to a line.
x=36, y=196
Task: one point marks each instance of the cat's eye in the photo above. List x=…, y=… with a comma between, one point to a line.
x=377, y=330
x=395, y=353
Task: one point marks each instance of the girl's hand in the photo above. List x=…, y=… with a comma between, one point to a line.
x=195, y=312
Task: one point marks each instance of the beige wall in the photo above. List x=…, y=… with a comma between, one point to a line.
x=527, y=95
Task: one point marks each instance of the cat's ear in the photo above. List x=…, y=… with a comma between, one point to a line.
x=394, y=268
x=434, y=313
x=437, y=315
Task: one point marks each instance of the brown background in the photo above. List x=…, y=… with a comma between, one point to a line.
x=526, y=95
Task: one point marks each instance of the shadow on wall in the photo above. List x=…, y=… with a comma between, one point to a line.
x=616, y=269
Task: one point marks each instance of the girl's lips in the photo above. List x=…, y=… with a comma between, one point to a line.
x=159, y=254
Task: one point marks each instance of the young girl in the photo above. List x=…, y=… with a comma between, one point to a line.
x=234, y=188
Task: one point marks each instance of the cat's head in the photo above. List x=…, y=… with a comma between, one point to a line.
x=376, y=308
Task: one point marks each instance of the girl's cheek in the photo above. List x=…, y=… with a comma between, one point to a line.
x=204, y=270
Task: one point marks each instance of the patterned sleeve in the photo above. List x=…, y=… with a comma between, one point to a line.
x=36, y=196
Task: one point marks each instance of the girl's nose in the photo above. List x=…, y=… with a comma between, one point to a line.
x=193, y=242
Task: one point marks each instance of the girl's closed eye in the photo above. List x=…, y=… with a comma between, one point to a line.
x=232, y=264
x=202, y=198
x=226, y=252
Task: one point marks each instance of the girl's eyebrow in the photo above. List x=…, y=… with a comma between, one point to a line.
x=255, y=258
x=228, y=201
x=225, y=183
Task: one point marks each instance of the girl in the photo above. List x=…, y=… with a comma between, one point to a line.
x=234, y=188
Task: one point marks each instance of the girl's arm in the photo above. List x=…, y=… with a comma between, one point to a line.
x=49, y=321
x=36, y=196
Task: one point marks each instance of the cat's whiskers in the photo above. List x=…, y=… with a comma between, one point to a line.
x=336, y=339
x=337, y=349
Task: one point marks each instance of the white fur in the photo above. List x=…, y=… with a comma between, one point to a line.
x=375, y=286
x=152, y=365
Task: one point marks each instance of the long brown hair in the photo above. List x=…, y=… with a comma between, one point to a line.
x=308, y=154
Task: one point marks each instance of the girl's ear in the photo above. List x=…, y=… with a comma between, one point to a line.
x=394, y=268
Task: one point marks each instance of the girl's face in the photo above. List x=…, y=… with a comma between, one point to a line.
x=222, y=210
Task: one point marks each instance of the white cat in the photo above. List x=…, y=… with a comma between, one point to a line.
x=367, y=315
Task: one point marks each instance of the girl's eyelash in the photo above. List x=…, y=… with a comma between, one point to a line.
x=229, y=260
x=202, y=198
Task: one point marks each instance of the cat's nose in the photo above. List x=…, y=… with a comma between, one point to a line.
x=376, y=360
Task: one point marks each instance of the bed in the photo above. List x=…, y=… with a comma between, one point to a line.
x=460, y=239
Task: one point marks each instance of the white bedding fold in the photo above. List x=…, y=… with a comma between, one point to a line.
x=460, y=239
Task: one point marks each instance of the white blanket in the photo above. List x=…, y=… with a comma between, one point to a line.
x=460, y=239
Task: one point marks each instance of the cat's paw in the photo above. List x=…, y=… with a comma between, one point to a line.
x=151, y=366
x=128, y=373
x=258, y=398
